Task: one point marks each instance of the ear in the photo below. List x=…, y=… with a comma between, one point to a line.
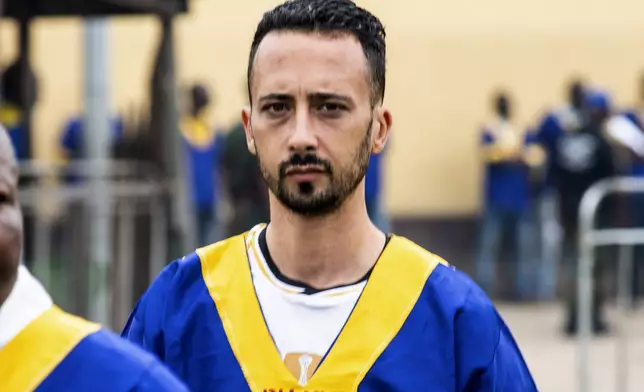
x=382, y=128
x=250, y=139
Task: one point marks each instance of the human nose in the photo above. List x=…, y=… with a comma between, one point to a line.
x=302, y=138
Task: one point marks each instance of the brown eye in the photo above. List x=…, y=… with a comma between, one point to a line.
x=331, y=107
x=332, y=110
x=276, y=108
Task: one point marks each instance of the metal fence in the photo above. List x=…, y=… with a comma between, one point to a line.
x=61, y=220
x=590, y=238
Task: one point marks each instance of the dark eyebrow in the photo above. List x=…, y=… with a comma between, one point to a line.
x=328, y=97
x=275, y=97
x=312, y=97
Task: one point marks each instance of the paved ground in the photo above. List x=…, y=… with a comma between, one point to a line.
x=553, y=358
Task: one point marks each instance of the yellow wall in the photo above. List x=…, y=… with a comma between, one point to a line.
x=444, y=59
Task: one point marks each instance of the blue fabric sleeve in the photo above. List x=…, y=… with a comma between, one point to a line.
x=531, y=137
x=487, y=357
x=548, y=130
x=486, y=137
x=144, y=326
x=508, y=371
x=69, y=137
x=159, y=379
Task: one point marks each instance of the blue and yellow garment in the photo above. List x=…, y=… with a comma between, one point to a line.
x=202, y=146
x=507, y=180
x=59, y=352
x=419, y=325
x=72, y=139
x=72, y=143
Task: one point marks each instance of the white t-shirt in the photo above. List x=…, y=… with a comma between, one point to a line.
x=303, y=323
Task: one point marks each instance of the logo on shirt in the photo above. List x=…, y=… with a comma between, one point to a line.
x=577, y=153
x=302, y=365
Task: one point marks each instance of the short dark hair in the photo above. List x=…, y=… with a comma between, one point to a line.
x=502, y=102
x=576, y=92
x=329, y=16
x=501, y=97
x=199, y=94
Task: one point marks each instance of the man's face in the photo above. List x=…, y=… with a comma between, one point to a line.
x=10, y=214
x=312, y=125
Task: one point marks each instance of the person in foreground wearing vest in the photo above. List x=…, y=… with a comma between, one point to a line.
x=320, y=299
x=44, y=349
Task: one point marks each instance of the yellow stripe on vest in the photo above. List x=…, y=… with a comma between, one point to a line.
x=197, y=133
x=27, y=360
x=389, y=296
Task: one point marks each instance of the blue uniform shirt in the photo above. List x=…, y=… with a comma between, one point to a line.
x=59, y=352
x=419, y=325
x=506, y=186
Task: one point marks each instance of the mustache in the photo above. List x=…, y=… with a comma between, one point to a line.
x=297, y=160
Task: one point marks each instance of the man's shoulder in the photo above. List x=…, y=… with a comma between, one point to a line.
x=118, y=365
x=411, y=252
x=113, y=351
x=88, y=341
x=215, y=252
x=447, y=286
x=189, y=270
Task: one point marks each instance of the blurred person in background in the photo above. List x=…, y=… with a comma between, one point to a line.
x=73, y=225
x=12, y=107
x=320, y=299
x=73, y=146
x=506, y=205
x=581, y=158
x=11, y=120
x=45, y=349
x=569, y=117
x=374, y=192
x=635, y=145
x=565, y=118
x=243, y=181
x=546, y=269
x=11, y=112
x=203, y=145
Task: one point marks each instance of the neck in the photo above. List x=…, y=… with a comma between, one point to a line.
x=325, y=251
x=197, y=113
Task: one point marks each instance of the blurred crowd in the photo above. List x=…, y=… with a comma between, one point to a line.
x=534, y=182
x=226, y=190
